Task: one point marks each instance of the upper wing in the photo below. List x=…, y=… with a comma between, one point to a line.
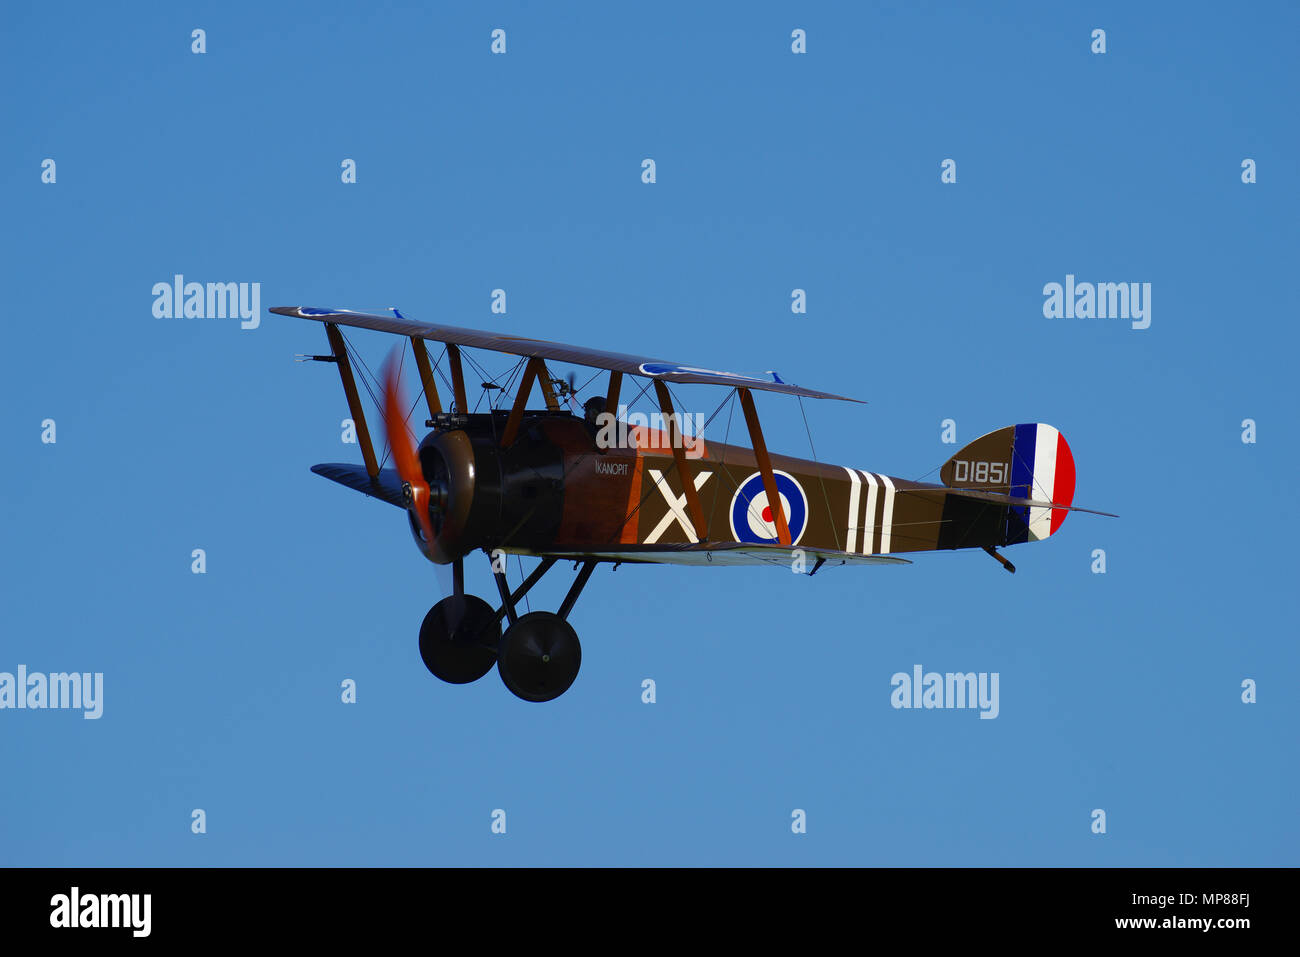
x=540, y=348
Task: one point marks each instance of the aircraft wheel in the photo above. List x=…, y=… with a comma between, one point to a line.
x=455, y=642
x=539, y=656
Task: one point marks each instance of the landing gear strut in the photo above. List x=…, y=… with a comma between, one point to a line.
x=539, y=655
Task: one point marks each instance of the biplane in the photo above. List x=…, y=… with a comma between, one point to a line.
x=559, y=484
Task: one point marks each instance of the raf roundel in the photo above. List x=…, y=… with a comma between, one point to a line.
x=752, y=519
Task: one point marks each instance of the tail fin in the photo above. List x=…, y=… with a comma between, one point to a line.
x=1026, y=461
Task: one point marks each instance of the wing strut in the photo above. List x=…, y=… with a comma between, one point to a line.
x=426, y=375
x=765, y=467
x=611, y=398
x=548, y=390
x=679, y=457
x=533, y=370
x=457, y=378
x=354, y=400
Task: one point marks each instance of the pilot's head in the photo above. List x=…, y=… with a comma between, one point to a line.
x=592, y=408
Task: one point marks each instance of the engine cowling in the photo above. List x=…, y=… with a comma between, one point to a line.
x=489, y=493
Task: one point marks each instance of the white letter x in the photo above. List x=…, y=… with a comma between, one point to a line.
x=676, y=507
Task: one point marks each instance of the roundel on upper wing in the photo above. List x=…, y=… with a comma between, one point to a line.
x=752, y=519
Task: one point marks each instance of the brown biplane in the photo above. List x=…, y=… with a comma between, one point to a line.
x=593, y=487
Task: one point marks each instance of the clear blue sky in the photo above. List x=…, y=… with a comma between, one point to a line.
x=775, y=171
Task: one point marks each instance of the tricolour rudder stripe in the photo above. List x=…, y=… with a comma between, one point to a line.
x=1022, y=481
x=1040, y=517
x=1063, y=487
x=1042, y=468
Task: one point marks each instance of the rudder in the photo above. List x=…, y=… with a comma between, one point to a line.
x=1031, y=460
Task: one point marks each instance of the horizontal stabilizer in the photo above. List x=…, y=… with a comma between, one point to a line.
x=1026, y=502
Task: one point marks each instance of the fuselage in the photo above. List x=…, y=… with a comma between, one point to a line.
x=557, y=486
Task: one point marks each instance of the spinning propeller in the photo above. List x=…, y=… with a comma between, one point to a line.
x=569, y=391
x=420, y=497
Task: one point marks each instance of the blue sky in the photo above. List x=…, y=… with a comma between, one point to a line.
x=775, y=171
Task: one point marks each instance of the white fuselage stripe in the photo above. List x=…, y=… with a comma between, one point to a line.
x=887, y=518
x=855, y=493
x=869, y=520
